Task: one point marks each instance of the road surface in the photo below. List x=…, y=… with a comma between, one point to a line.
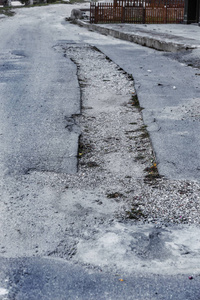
x=61, y=232
x=39, y=94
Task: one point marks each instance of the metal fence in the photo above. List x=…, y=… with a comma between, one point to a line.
x=138, y=11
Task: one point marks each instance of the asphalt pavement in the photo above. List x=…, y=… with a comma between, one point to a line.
x=168, y=88
x=33, y=98
x=60, y=234
x=56, y=279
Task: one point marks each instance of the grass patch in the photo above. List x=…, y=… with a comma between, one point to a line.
x=144, y=135
x=130, y=131
x=142, y=128
x=7, y=11
x=152, y=175
x=89, y=164
x=82, y=85
x=135, y=102
x=92, y=164
x=139, y=157
x=84, y=148
x=114, y=195
x=135, y=213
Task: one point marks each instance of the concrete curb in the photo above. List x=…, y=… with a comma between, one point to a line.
x=148, y=41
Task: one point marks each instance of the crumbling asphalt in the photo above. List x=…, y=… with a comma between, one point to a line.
x=108, y=231
x=168, y=91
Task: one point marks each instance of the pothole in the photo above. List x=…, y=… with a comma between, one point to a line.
x=120, y=148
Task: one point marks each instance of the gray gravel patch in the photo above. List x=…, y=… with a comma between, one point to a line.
x=116, y=154
x=136, y=213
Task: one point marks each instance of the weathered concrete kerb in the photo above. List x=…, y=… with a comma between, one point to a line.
x=167, y=42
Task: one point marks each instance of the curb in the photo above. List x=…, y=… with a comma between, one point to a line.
x=147, y=41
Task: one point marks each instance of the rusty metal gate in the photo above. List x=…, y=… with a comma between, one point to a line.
x=138, y=11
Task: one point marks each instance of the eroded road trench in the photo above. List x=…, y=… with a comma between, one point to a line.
x=123, y=204
x=116, y=208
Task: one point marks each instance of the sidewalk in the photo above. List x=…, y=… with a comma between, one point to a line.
x=164, y=37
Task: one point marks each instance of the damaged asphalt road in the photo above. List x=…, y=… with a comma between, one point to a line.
x=169, y=92
x=32, y=114
x=114, y=229
x=40, y=278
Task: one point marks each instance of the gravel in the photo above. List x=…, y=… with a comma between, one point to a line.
x=116, y=156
